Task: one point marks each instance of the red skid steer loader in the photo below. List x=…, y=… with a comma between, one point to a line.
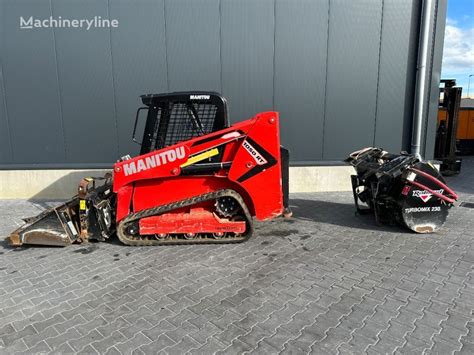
x=196, y=180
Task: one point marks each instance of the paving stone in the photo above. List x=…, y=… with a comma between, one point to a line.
x=334, y=283
x=187, y=343
x=386, y=344
x=57, y=342
x=157, y=345
x=104, y=344
x=80, y=343
x=66, y=325
x=238, y=347
x=278, y=339
x=232, y=332
x=206, y=331
x=424, y=332
x=113, y=351
x=224, y=321
x=432, y=319
x=158, y=330
x=10, y=338
x=451, y=334
x=18, y=346
x=95, y=323
x=32, y=340
x=88, y=349
x=371, y=331
x=109, y=328
x=457, y=320
x=249, y=321
x=211, y=346
x=254, y=336
x=64, y=349
x=331, y=339
x=467, y=348
x=42, y=325
x=134, y=343
x=360, y=343
x=398, y=330
x=7, y=329
x=40, y=347
x=382, y=316
x=414, y=345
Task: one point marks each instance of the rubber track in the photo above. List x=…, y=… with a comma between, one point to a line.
x=154, y=211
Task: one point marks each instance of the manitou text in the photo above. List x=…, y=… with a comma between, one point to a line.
x=153, y=161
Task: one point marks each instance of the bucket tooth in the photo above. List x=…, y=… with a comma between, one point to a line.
x=14, y=240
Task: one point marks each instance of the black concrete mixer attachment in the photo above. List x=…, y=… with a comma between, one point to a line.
x=399, y=188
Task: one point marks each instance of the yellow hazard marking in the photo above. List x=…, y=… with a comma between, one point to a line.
x=82, y=205
x=202, y=156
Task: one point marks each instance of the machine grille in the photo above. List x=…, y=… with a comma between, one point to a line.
x=181, y=122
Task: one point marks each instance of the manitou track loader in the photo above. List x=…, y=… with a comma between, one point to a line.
x=196, y=180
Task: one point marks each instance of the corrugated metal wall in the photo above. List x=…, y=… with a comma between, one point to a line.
x=341, y=73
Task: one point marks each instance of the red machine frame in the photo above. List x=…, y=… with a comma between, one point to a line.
x=251, y=169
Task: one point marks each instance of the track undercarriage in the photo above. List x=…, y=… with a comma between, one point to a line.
x=237, y=228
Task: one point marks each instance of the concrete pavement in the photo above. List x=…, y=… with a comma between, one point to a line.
x=326, y=281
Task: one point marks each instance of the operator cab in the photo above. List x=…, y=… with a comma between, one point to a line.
x=180, y=116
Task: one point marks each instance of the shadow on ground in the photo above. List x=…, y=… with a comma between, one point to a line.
x=338, y=214
x=464, y=182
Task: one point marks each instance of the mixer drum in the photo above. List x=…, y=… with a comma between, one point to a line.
x=420, y=210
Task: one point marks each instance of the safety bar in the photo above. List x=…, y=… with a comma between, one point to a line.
x=135, y=125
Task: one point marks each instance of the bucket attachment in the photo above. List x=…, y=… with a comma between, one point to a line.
x=90, y=215
x=56, y=226
x=400, y=188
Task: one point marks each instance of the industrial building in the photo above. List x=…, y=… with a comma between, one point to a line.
x=342, y=75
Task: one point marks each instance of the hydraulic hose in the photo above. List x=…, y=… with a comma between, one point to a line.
x=436, y=181
x=437, y=194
